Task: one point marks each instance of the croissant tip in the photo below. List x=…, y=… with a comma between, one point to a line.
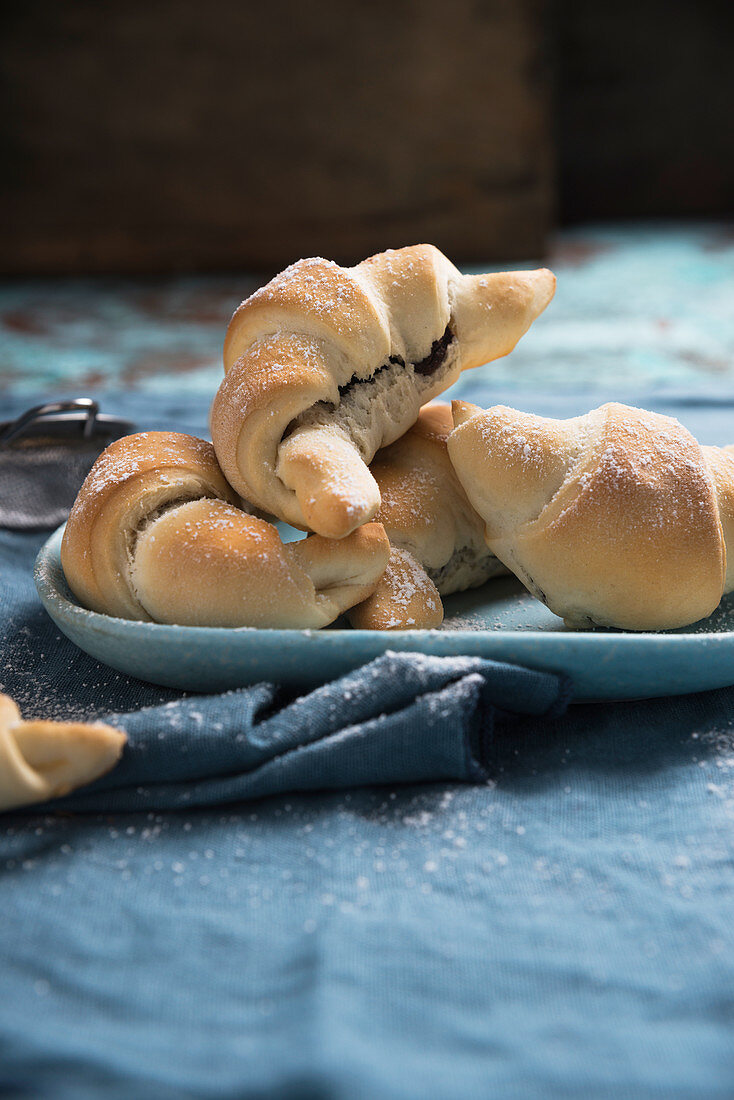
x=462, y=411
x=544, y=287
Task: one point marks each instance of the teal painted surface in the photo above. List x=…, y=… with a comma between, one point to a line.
x=499, y=621
x=641, y=308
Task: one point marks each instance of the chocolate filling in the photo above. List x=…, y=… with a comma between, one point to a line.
x=356, y=381
x=437, y=354
x=429, y=365
x=432, y=362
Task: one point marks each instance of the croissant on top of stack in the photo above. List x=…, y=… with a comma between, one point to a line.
x=327, y=364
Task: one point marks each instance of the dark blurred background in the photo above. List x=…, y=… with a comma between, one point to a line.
x=176, y=135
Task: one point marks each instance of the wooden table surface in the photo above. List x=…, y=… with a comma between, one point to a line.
x=644, y=308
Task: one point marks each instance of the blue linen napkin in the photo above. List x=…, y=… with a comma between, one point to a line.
x=403, y=718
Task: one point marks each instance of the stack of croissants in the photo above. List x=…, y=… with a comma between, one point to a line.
x=324, y=419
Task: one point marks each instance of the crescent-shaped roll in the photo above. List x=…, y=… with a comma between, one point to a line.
x=616, y=518
x=41, y=760
x=425, y=510
x=426, y=515
x=156, y=534
x=405, y=598
x=327, y=364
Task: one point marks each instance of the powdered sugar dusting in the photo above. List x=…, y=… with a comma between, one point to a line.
x=408, y=583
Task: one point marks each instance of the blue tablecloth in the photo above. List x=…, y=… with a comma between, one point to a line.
x=559, y=924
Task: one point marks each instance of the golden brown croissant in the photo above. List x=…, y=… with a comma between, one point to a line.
x=425, y=510
x=616, y=518
x=156, y=533
x=326, y=364
x=426, y=514
x=405, y=598
x=40, y=760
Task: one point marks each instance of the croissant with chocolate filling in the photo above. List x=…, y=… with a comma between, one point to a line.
x=156, y=533
x=428, y=518
x=327, y=364
x=617, y=518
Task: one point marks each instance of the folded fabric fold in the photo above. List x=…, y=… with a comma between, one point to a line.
x=402, y=718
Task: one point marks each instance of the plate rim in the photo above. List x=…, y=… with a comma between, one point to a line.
x=49, y=555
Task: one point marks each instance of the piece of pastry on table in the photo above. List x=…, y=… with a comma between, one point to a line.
x=42, y=759
x=618, y=518
x=325, y=364
x=156, y=533
x=430, y=523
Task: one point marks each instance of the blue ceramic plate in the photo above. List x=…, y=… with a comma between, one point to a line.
x=500, y=621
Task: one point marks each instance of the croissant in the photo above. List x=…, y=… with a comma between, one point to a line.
x=405, y=598
x=426, y=514
x=326, y=364
x=156, y=534
x=617, y=518
x=40, y=760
